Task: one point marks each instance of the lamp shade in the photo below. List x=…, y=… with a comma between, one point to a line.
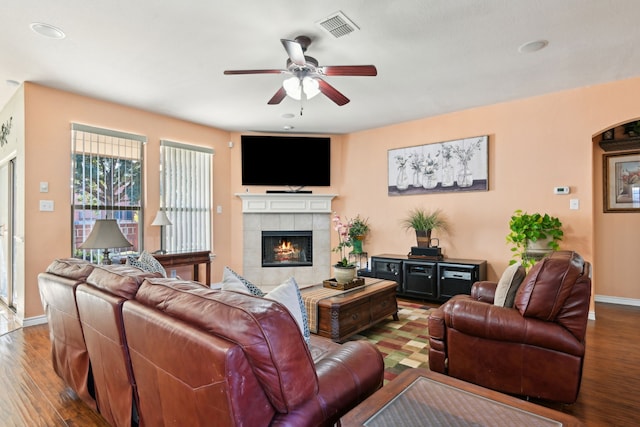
x=161, y=219
x=105, y=234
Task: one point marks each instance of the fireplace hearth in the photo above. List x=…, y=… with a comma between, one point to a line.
x=287, y=248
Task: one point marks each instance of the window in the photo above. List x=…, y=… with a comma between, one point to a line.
x=106, y=184
x=185, y=193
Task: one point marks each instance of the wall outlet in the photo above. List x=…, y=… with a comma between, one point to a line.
x=46, y=205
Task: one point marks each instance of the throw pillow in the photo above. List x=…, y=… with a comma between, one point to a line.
x=231, y=280
x=508, y=285
x=147, y=262
x=288, y=294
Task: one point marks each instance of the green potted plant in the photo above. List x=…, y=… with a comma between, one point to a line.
x=423, y=222
x=357, y=232
x=533, y=236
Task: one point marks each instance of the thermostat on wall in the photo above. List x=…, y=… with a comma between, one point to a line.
x=561, y=190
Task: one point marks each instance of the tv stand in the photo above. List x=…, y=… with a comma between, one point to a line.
x=289, y=191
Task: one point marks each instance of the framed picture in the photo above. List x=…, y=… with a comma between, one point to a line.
x=621, y=172
x=452, y=166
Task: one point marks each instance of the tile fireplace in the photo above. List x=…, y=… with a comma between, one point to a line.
x=295, y=217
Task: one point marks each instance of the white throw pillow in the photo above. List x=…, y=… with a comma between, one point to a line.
x=508, y=285
x=288, y=295
x=232, y=281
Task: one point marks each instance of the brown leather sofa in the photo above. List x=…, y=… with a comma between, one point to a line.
x=175, y=352
x=534, y=349
x=69, y=354
x=100, y=302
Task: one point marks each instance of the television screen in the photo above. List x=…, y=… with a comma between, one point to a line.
x=294, y=161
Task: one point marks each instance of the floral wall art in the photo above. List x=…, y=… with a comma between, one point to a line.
x=451, y=166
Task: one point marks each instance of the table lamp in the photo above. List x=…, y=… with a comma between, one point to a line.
x=161, y=219
x=104, y=235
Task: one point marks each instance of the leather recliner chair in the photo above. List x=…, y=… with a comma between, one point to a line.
x=535, y=349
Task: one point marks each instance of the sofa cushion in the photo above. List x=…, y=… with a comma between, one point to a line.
x=508, y=285
x=71, y=268
x=265, y=330
x=118, y=279
x=546, y=287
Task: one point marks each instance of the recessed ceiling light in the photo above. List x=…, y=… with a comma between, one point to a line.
x=287, y=127
x=13, y=83
x=533, y=46
x=288, y=116
x=48, y=31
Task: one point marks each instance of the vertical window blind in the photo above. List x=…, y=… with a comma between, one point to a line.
x=185, y=195
x=106, y=172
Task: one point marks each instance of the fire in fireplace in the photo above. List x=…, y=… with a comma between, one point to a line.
x=287, y=248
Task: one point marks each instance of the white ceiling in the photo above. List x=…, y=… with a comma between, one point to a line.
x=432, y=56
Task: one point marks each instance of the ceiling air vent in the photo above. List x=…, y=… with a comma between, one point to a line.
x=338, y=24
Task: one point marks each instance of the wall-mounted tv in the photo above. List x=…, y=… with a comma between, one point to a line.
x=293, y=161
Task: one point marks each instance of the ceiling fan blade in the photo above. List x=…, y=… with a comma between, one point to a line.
x=348, y=70
x=231, y=72
x=278, y=97
x=332, y=93
x=295, y=51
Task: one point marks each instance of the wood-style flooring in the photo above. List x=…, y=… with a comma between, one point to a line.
x=32, y=395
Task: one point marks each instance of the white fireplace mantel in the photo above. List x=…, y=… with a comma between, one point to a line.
x=285, y=202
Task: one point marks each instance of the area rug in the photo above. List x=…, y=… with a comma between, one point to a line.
x=403, y=343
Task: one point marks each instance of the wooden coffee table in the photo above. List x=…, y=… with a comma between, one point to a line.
x=341, y=314
x=419, y=397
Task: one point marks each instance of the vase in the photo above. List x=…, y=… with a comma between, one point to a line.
x=344, y=274
x=423, y=238
x=465, y=177
x=447, y=175
x=357, y=244
x=402, y=183
x=429, y=180
x=417, y=182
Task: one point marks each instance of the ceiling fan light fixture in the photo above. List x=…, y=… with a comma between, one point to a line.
x=294, y=87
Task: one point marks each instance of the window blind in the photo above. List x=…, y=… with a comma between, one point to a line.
x=185, y=193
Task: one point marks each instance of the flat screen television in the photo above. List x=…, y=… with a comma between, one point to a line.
x=293, y=161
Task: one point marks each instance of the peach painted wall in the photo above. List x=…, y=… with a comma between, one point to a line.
x=49, y=114
x=534, y=145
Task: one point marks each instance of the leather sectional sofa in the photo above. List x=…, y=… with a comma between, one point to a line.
x=151, y=351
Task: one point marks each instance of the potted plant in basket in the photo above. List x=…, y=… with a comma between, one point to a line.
x=533, y=236
x=424, y=222
x=344, y=271
x=358, y=229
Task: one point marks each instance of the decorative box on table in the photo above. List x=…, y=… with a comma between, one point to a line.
x=333, y=284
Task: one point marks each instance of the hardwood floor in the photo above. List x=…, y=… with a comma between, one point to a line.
x=32, y=395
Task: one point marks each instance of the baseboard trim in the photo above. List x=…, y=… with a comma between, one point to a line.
x=617, y=300
x=33, y=321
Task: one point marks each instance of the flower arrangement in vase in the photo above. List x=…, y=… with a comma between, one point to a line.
x=357, y=232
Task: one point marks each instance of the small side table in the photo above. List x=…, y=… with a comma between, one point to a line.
x=181, y=259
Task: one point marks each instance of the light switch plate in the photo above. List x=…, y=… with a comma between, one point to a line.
x=574, y=204
x=44, y=187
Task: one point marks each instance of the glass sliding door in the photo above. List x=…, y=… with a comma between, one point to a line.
x=7, y=193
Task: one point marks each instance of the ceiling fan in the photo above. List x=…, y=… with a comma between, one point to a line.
x=306, y=74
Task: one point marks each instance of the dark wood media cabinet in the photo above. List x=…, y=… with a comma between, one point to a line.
x=429, y=279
